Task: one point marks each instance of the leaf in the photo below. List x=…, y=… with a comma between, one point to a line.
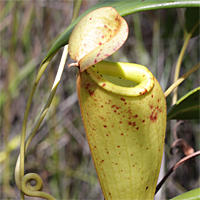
x=125, y=134
x=123, y=8
x=187, y=107
x=97, y=35
x=192, y=21
x=191, y=195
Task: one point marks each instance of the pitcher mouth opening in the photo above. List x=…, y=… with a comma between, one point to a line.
x=122, y=78
x=120, y=81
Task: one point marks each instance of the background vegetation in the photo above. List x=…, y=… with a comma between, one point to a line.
x=59, y=153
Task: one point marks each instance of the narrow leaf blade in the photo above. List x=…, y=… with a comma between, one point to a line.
x=188, y=107
x=123, y=8
x=191, y=195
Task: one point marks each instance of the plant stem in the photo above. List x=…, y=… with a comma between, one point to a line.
x=181, y=79
x=182, y=161
x=180, y=58
x=76, y=8
x=51, y=95
x=24, y=146
x=27, y=109
x=178, y=66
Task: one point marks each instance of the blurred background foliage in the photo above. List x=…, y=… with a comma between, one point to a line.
x=59, y=152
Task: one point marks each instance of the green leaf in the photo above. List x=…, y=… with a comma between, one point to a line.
x=188, y=107
x=124, y=8
x=191, y=195
x=192, y=20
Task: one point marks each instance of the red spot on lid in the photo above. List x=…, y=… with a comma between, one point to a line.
x=91, y=92
x=105, y=26
x=100, y=43
x=104, y=85
x=105, y=126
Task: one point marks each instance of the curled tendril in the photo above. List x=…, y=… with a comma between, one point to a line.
x=23, y=181
x=35, y=190
x=26, y=182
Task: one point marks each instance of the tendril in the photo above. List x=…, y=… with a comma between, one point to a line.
x=34, y=190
